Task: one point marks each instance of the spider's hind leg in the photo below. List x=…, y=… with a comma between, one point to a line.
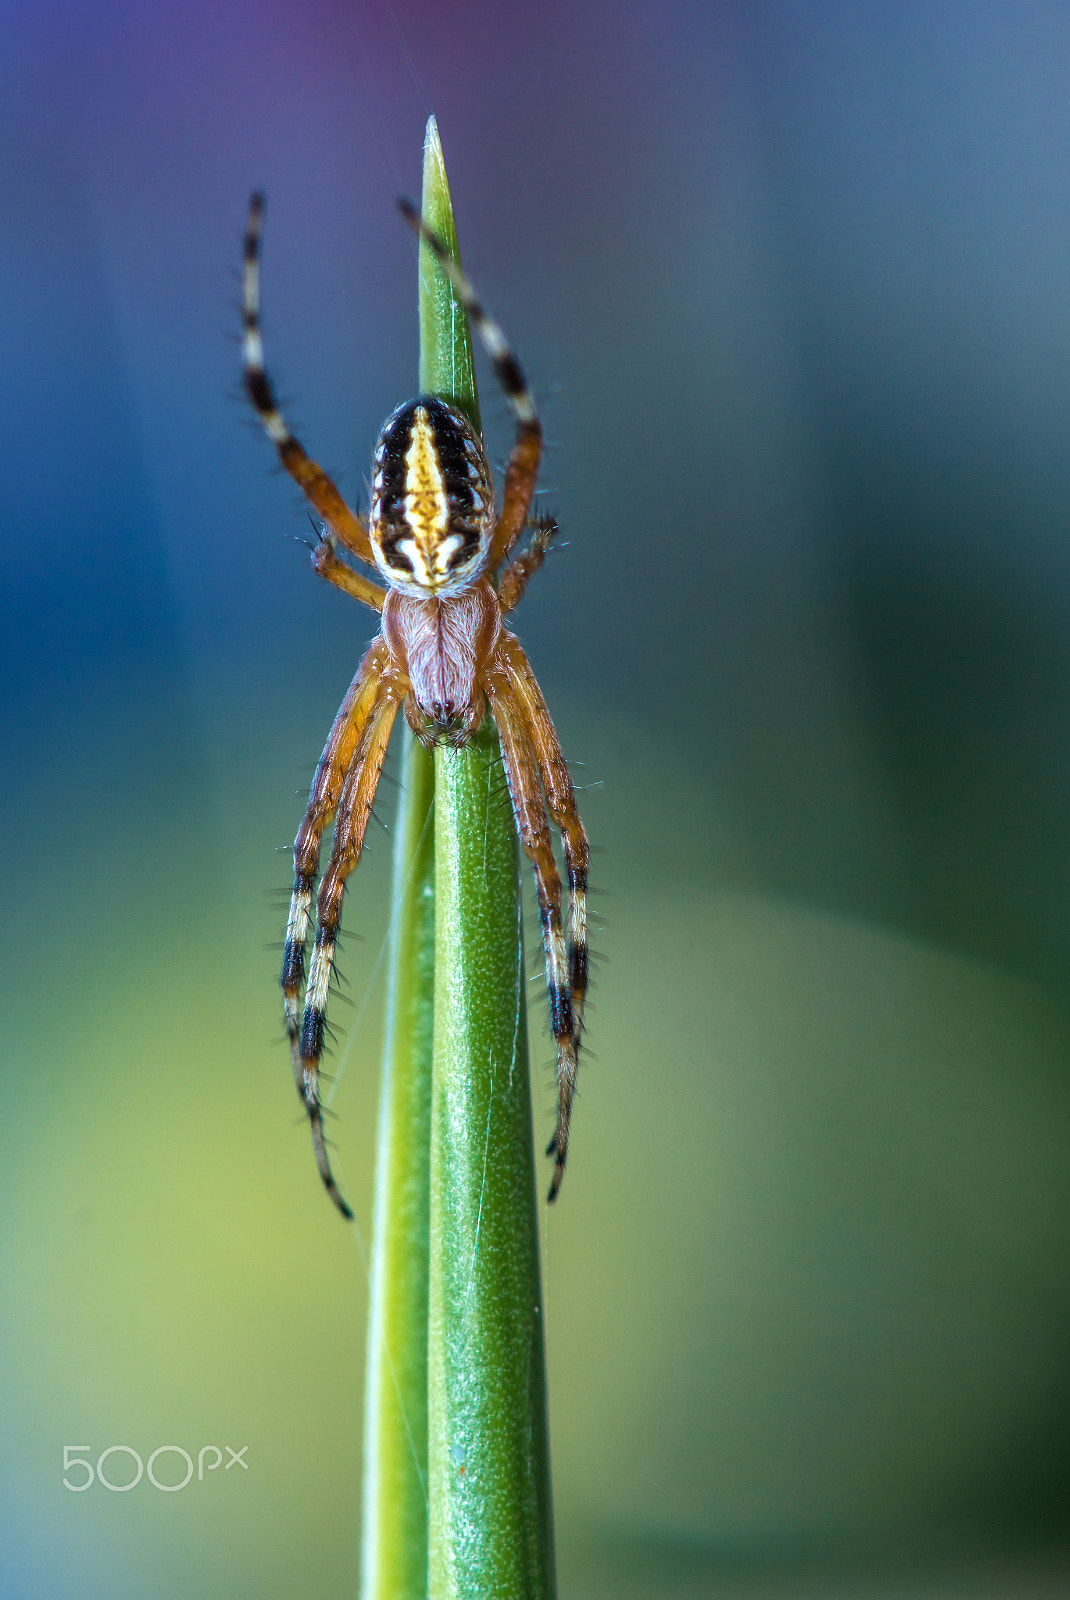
x=346, y=740
x=351, y=825
x=566, y=964
x=541, y=736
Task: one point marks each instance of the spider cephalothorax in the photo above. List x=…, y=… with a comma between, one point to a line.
x=443, y=645
x=443, y=653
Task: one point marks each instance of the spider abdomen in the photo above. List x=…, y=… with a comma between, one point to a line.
x=432, y=506
x=442, y=644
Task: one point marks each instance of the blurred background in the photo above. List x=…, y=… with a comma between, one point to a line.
x=790, y=280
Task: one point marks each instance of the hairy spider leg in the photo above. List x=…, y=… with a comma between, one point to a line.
x=561, y=803
x=342, y=744
x=529, y=809
x=514, y=579
x=351, y=825
x=306, y=473
x=523, y=466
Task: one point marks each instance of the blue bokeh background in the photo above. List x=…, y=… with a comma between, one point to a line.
x=791, y=284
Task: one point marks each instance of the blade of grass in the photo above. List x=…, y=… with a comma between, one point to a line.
x=488, y=1447
x=470, y=1422
x=394, y=1519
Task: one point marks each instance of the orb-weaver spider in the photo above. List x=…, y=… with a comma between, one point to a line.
x=442, y=654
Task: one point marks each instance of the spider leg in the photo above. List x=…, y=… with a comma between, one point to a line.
x=522, y=770
x=341, y=747
x=351, y=824
x=514, y=579
x=329, y=565
x=306, y=473
x=561, y=802
x=523, y=467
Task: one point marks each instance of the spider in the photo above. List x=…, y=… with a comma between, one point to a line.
x=442, y=655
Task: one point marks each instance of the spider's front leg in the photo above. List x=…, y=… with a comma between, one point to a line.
x=351, y=824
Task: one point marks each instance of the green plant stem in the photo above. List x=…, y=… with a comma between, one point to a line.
x=488, y=1449
x=394, y=1516
x=457, y=1480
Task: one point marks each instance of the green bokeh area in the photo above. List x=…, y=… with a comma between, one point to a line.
x=168, y=1275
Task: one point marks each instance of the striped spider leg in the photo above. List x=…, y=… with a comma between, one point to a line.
x=438, y=541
